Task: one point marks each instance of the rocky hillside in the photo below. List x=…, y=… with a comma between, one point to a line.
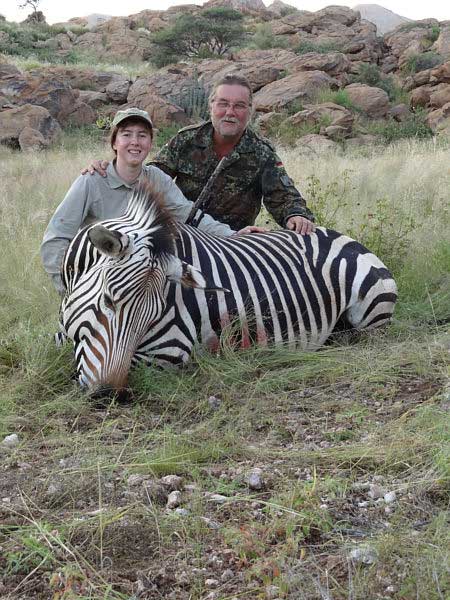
x=325, y=74
x=383, y=18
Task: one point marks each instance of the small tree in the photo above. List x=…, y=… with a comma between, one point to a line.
x=32, y=3
x=211, y=33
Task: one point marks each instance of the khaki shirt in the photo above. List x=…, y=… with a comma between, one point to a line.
x=94, y=198
x=253, y=173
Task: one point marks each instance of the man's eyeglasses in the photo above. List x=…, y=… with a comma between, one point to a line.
x=238, y=106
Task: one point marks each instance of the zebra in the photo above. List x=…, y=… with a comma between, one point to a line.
x=144, y=288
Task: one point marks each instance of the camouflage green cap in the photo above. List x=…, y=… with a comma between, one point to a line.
x=136, y=113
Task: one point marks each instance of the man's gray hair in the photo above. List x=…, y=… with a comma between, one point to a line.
x=232, y=80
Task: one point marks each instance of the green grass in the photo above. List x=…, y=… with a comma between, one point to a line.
x=322, y=426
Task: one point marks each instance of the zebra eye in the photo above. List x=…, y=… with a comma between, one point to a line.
x=109, y=302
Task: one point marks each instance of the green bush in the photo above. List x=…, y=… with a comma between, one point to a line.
x=385, y=230
x=264, y=38
x=340, y=97
x=22, y=41
x=421, y=62
x=306, y=46
x=370, y=74
x=413, y=127
x=193, y=99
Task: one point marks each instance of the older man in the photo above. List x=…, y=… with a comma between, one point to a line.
x=241, y=167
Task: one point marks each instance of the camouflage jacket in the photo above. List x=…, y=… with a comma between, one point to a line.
x=252, y=173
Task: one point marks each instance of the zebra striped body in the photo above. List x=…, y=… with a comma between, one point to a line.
x=276, y=286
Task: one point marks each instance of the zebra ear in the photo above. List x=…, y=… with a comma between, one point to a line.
x=111, y=243
x=181, y=272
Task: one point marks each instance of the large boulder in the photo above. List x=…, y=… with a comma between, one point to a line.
x=119, y=41
x=161, y=110
x=301, y=86
x=409, y=39
x=440, y=95
x=167, y=84
x=442, y=44
x=440, y=74
x=95, y=99
x=325, y=115
x=47, y=89
x=31, y=139
x=35, y=123
x=420, y=96
x=373, y=101
x=439, y=120
x=332, y=63
x=314, y=144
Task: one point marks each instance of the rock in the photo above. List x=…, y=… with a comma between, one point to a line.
x=172, y=482
x=161, y=111
x=210, y=523
x=440, y=95
x=373, y=101
x=365, y=555
x=174, y=499
x=420, y=97
x=218, y=498
x=214, y=403
x=135, y=479
x=54, y=489
x=297, y=87
x=438, y=120
x=227, y=575
x=404, y=42
x=211, y=583
x=82, y=114
x=315, y=144
x=335, y=132
x=93, y=99
x=31, y=139
x=376, y=491
x=265, y=121
x=390, y=497
x=442, y=44
x=13, y=121
x=117, y=90
x=399, y=112
x=317, y=114
x=254, y=479
x=182, y=512
x=153, y=491
x=10, y=441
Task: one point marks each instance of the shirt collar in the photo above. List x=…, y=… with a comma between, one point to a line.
x=114, y=180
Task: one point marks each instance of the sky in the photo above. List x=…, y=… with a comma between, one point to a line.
x=57, y=10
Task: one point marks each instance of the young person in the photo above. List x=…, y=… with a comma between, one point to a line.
x=97, y=198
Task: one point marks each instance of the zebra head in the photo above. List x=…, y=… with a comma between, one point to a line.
x=117, y=274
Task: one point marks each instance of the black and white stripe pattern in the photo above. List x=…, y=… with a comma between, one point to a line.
x=275, y=286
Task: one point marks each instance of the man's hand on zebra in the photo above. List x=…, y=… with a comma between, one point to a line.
x=98, y=166
x=251, y=229
x=300, y=225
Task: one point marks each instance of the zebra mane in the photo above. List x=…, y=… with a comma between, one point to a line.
x=147, y=210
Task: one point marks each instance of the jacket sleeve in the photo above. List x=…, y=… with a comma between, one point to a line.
x=280, y=196
x=63, y=227
x=180, y=206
